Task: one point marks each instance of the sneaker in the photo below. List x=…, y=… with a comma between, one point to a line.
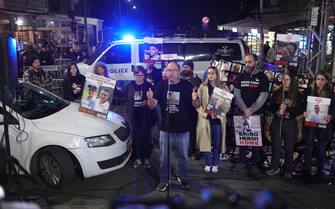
x=137, y=163
x=183, y=183
x=162, y=186
x=215, y=169
x=272, y=172
x=146, y=163
x=207, y=169
x=237, y=167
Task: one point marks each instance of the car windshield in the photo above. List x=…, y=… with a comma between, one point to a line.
x=33, y=102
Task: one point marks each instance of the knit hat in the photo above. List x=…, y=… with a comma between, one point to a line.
x=189, y=63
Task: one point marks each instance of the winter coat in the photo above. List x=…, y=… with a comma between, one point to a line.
x=203, y=126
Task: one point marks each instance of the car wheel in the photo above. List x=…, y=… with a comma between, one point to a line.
x=55, y=167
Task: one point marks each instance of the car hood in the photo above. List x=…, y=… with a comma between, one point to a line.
x=70, y=121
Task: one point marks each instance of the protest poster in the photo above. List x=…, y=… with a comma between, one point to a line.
x=153, y=48
x=317, y=111
x=219, y=103
x=287, y=46
x=237, y=68
x=248, y=131
x=97, y=95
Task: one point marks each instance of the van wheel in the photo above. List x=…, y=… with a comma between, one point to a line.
x=55, y=167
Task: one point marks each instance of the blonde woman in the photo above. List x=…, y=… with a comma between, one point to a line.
x=211, y=130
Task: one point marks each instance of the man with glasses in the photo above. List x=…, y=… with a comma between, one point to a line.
x=102, y=103
x=174, y=124
x=251, y=93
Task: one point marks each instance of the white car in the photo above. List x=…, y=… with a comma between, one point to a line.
x=53, y=140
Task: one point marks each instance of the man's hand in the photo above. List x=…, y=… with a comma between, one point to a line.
x=143, y=103
x=247, y=112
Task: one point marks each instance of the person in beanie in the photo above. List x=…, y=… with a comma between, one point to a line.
x=187, y=74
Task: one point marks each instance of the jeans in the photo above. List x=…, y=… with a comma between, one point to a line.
x=180, y=141
x=322, y=137
x=289, y=128
x=213, y=158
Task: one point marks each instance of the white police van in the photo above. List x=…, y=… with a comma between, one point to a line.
x=121, y=56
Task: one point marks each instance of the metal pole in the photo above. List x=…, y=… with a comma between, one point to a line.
x=320, y=47
x=324, y=36
x=261, y=51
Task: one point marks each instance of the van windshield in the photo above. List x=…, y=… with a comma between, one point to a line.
x=33, y=102
x=94, y=56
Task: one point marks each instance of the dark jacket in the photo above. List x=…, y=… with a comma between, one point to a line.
x=147, y=115
x=68, y=93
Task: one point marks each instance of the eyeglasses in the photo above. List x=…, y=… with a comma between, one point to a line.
x=172, y=70
x=139, y=75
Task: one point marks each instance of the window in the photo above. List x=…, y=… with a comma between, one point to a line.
x=227, y=51
x=117, y=54
x=205, y=51
x=197, y=52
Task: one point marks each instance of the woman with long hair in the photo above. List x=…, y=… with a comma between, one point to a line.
x=73, y=83
x=321, y=87
x=211, y=130
x=285, y=104
x=101, y=69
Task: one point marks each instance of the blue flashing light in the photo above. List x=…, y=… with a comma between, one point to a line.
x=128, y=38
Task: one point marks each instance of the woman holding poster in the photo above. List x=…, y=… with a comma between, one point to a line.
x=321, y=87
x=210, y=129
x=285, y=104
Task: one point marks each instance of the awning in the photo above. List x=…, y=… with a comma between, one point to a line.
x=269, y=21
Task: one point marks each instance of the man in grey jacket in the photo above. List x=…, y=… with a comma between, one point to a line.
x=251, y=93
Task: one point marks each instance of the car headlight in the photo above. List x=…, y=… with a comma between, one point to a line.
x=99, y=141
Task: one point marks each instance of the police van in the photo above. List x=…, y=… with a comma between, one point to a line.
x=122, y=56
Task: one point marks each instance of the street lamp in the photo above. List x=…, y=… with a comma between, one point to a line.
x=134, y=7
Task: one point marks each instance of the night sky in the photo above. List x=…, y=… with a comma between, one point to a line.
x=169, y=14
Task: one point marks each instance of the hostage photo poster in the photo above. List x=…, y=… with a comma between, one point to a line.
x=248, y=131
x=97, y=95
x=219, y=103
x=317, y=111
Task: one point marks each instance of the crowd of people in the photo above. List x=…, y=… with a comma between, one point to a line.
x=175, y=98
x=210, y=135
